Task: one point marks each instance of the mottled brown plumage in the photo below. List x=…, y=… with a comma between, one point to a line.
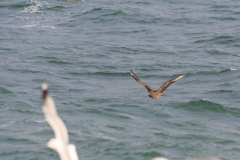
x=159, y=93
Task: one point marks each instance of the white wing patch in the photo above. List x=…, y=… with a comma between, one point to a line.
x=131, y=73
x=178, y=78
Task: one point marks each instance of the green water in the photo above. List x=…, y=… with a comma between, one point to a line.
x=84, y=51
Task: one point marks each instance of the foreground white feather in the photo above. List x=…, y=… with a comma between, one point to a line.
x=60, y=142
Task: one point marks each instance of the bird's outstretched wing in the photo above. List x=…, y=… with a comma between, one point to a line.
x=141, y=82
x=168, y=83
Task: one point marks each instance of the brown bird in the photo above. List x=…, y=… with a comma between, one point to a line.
x=159, y=93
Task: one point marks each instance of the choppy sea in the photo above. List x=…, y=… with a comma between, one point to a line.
x=84, y=51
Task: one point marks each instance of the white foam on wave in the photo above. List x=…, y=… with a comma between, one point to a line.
x=33, y=8
x=49, y=27
x=29, y=26
x=233, y=69
x=40, y=121
x=36, y=25
x=41, y=20
x=207, y=100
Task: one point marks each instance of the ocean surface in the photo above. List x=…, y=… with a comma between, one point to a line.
x=84, y=50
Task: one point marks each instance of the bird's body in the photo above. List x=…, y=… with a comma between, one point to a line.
x=155, y=94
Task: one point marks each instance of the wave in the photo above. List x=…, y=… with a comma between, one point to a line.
x=206, y=106
x=111, y=74
x=19, y=140
x=93, y=10
x=224, y=18
x=17, y=5
x=55, y=8
x=107, y=12
x=205, y=158
x=217, y=52
x=4, y=90
x=219, y=40
x=25, y=112
x=201, y=106
x=220, y=91
x=214, y=72
x=124, y=105
x=24, y=70
x=59, y=62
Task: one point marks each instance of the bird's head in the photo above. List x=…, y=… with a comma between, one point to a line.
x=149, y=94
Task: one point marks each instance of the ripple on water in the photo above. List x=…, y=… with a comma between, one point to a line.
x=106, y=112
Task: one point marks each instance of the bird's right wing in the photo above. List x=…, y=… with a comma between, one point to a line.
x=141, y=82
x=168, y=83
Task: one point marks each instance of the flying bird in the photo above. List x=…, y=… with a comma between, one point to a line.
x=158, y=93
